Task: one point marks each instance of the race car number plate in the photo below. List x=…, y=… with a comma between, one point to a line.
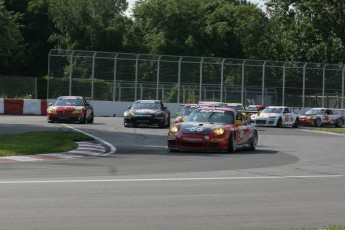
x=191, y=139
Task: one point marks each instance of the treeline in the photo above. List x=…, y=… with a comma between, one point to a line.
x=286, y=30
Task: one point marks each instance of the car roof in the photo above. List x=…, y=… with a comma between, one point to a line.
x=70, y=97
x=320, y=108
x=147, y=101
x=220, y=108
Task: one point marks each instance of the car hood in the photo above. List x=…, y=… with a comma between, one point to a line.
x=307, y=115
x=266, y=115
x=144, y=111
x=65, y=108
x=198, y=127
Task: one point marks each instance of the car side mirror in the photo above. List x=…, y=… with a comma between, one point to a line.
x=164, y=107
x=129, y=107
x=50, y=104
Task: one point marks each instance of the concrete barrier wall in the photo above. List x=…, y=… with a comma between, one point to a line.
x=101, y=108
x=39, y=107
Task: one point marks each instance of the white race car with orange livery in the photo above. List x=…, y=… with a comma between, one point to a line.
x=321, y=116
x=277, y=116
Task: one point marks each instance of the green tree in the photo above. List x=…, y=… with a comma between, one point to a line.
x=309, y=30
x=89, y=24
x=11, y=40
x=199, y=27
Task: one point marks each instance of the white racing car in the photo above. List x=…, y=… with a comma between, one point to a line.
x=322, y=116
x=276, y=116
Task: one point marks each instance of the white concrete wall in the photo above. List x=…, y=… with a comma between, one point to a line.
x=111, y=108
x=2, y=106
x=32, y=106
x=117, y=108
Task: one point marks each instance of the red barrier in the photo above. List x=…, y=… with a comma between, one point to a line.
x=44, y=106
x=13, y=106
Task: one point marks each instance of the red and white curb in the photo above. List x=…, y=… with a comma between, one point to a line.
x=84, y=149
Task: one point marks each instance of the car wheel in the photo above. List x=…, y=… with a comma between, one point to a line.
x=232, y=143
x=280, y=122
x=162, y=124
x=339, y=122
x=91, y=118
x=317, y=122
x=168, y=125
x=83, y=120
x=295, y=125
x=254, y=141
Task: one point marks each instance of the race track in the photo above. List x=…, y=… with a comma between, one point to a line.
x=296, y=178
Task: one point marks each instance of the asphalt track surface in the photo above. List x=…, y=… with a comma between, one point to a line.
x=296, y=178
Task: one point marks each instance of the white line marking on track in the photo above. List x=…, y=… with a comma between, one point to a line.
x=324, y=132
x=112, y=147
x=172, y=179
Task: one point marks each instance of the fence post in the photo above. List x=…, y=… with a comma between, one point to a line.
x=303, y=90
x=48, y=74
x=242, y=89
x=70, y=73
x=179, y=80
x=263, y=84
x=323, y=85
x=283, y=93
x=136, y=77
x=200, y=79
x=115, y=70
x=157, y=85
x=342, y=87
x=93, y=74
x=222, y=80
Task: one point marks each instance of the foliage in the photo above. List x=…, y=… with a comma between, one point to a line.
x=287, y=30
x=89, y=25
x=311, y=31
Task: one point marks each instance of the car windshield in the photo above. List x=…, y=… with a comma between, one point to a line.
x=69, y=102
x=212, y=115
x=314, y=112
x=186, y=110
x=236, y=107
x=251, y=108
x=146, y=105
x=272, y=110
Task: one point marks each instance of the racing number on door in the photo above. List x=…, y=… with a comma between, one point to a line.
x=286, y=118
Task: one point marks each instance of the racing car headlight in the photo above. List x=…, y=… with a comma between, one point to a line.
x=128, y=114
x=51, y=111
x=159, y=114
x=174, y=129
x=77, y=111
x=180, y=119
x=219, y=131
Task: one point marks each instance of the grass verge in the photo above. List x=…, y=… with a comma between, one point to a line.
x=333, y=130
x=40, y=142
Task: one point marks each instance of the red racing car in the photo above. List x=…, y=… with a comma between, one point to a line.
x=213, y=129
x=70, y=109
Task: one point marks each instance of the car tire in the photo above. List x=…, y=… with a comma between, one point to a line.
x=295, y=125
x=91, y=118
x=339, y=122
x=232, y=143
x=279, y=122
x=168, y=125
x=254, y=141
x=317, y=122
x=83, y=120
